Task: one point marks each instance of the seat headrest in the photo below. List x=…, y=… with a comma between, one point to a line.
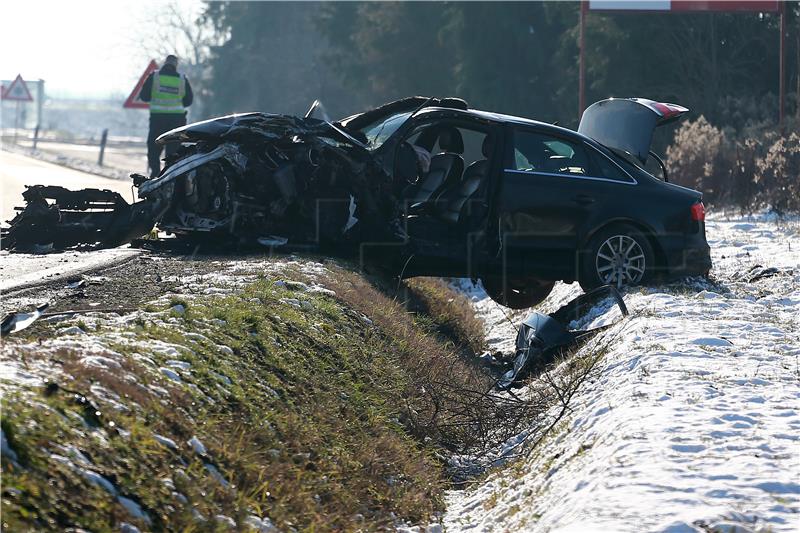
x=450, y=140
x=487, y=146
x=405, y=166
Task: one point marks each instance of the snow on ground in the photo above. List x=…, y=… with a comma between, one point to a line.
x=18, y=270
x=118, y=164
x=693, y=422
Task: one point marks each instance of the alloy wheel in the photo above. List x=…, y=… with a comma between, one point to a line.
x=620, y=261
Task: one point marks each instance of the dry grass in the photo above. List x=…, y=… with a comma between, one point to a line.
x=334, y=418
x=430, y=364
x=308, y=432
x=450, y=310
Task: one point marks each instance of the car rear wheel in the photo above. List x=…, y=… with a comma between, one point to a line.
x=618, y=255
x=517, y=293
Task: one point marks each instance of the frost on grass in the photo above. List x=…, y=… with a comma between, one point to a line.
x=215, y=404
x=692, y=423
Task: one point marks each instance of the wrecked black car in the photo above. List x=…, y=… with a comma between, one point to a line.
x=423, y=186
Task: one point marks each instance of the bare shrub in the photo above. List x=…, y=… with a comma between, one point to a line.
x=429, y=411
x=778, y=175
x=742, y=159
x=695, y=159
x=750, y=169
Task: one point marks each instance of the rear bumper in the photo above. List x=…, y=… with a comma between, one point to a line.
x=692, y=258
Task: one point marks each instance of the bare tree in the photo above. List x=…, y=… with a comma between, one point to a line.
x=180, y=28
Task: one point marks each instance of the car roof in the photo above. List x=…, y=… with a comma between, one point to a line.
x=504, y=119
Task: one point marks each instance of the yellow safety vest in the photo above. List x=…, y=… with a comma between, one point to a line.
x=167, y=94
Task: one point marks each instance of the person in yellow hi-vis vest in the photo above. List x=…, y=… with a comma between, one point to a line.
x=169, y=94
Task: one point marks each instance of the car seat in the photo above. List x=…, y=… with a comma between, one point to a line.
x=445, y=170
x=451, y=202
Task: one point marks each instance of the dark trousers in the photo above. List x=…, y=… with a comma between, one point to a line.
x=161, y=123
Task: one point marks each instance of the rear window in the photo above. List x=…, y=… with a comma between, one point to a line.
x=605, y=168
x=633, y=168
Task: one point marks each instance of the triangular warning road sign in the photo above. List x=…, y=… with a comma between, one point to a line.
x=133, y=101
x=18, y=90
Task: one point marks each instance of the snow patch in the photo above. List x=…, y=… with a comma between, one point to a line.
x=169, y=443
x=695, y=412
x=171, y=374
x=197, y=446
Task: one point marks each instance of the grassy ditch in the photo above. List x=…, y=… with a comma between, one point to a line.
x=451, y=311
x=276, y=405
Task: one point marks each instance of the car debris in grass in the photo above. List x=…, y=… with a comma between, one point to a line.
x=14, y=322
x=541, y=336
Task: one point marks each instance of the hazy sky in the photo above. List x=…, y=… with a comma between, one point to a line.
x=79, y=47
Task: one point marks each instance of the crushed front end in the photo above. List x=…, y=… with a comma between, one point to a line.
x=253, y=178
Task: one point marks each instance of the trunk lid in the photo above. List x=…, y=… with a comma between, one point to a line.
x=627, y=124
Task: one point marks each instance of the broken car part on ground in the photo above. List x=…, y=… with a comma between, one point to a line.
x=541, y=336
x=421, y=186
x=14, y=322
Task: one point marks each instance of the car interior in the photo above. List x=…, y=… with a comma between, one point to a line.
x=441, y=203
x=459, y=164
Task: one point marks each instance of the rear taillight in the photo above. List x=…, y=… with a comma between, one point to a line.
x=698, y=212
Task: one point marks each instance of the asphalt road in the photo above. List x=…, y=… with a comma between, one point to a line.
x=16, y=171
x=18, y=270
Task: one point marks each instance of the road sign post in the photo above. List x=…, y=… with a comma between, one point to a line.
x=17, y=92
x=103, y=141
x=39, y=102
x=685, y=6
x=16, y=121
x=782, y=69
x=582, y=61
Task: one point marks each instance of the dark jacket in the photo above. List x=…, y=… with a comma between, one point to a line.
x=169, y=70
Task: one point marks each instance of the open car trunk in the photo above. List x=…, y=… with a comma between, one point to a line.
x=627, y=124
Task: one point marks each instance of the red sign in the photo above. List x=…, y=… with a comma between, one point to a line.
x=18, y=90
x=134, y=101
x=727, y=5
x=685, y=5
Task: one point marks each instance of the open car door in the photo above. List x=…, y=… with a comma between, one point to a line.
x=627, y=124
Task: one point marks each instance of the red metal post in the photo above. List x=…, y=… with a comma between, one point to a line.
x=582, y=59
x=782, y=68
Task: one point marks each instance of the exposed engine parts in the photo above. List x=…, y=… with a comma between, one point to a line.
x=246, y=176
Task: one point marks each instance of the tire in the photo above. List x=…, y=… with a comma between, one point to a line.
x=517, y=293
x=602, y=263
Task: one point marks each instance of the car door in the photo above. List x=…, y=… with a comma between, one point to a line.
x=550, y=186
